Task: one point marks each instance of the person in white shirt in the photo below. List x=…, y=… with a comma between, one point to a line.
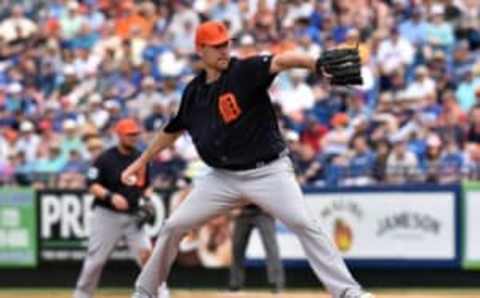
x=28, y=141
x=71, y=22
x=395, y=52
x=142, y=105
x=299, y=96
x=423, y=85
x=17, y=25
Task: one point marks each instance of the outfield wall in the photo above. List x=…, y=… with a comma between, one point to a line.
x=394, y=229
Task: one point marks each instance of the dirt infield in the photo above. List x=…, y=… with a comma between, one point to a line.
x=251, y=294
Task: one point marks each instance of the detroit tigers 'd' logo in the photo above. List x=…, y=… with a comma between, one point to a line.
x=229, y=108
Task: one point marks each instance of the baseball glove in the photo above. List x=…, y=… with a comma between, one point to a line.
x=342, y=66
x=145, y=213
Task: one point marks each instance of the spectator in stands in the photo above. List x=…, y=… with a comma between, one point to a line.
x=439, y=33
x=430, y=163
x=394, y=53
x=95, y=61
x=141, y=106
x=472, y=162
x=298, y=96
x=466, y=92
x=23, y=169
x=17, y=26
x=415, y=29
x=308, y=164
x=156, y=118
x=28, y=141
x=361, y=162
x=72, y=175
x=450, y=121
x=451, y=165
x=379, y=168
x=71, y=21
x=70, y=139
x=94, y=147
x=422, y=86
x=96, y=113
x=473, y=130
x=402, y=164
x=336, y=140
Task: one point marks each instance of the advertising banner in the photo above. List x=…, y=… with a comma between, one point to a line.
x=65, y=219
x=65, y=225
x=374, y=226
x=18, y=228
x=471, y=218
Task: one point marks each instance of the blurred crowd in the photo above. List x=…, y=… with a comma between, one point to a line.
x=70, y=69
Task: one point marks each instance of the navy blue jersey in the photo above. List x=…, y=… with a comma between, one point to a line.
x=232, y=121
x=107, y=169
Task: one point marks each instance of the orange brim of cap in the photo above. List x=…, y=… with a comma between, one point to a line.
x=128, y=131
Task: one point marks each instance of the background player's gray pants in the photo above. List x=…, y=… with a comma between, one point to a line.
x=273, y=188
x=107, y=228
x=243, y=227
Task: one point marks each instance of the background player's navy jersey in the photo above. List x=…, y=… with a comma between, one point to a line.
x=107, y=170
x=232, y=121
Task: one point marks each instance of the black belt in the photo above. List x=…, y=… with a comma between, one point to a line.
x=257, y=164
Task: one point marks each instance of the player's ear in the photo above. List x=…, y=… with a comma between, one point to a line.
x=199, y=50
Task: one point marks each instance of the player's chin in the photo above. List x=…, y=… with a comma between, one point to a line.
x=222, y=64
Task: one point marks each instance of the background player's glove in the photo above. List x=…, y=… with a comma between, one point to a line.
x=343, y=65
x=145, y=213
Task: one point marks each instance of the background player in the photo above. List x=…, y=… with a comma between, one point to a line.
x=251, y=217
x=228, y=112
x=115, y=205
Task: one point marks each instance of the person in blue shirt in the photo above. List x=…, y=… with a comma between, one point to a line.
x=451, y=163
x=415, y=28
x=362, y=161
x=439, y=33
x=304, y=28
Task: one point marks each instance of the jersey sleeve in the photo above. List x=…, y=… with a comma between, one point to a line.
x=96, y=172
x=256, y=71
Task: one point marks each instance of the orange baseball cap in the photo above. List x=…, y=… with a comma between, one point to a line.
x=211, y=33
x=127, y=126
x=339, y=119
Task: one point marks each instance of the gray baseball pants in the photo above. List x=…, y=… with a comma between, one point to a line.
x=272, y=187
x=107, y=228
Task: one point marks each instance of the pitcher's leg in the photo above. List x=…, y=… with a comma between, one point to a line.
x=105, y=232
x=210, y=197
x=280, y=195
x=141, y=249
x=275, y=272
x=241, y=233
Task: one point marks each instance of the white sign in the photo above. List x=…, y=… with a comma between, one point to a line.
x=71, y=213
x=378, y=225
x=472, y=225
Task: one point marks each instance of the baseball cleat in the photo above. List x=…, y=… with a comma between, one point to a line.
x=163, y=292
x=139, y=293
x=367, y=295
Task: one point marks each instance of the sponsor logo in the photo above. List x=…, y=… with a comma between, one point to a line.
x=344, y=215
x=343, y=235
x=408, y=223
x=65, y=225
